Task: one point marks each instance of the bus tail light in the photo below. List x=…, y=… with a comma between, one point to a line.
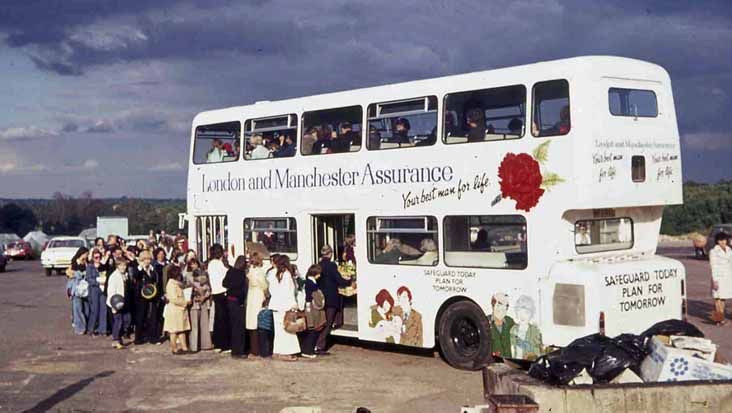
x=601, y=323
x=684, y=306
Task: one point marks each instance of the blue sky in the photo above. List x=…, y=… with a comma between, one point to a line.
x=99, y=95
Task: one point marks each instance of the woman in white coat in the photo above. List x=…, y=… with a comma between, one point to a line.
x=720, y=259
x=282, y=299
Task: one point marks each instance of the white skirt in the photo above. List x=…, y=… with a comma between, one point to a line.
x=724, y=292
x=284, y=343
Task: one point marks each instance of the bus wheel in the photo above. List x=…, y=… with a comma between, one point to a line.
x=464, y=336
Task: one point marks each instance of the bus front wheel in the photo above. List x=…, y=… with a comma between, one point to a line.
x=464, y=336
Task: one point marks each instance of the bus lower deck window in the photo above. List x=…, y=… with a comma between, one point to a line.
x=402, y=240
x=638, y=168
x=486, y=241
x=271, y=236
x=607, y=234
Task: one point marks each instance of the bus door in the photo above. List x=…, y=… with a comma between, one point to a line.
x=210, y=230
x=337, y=230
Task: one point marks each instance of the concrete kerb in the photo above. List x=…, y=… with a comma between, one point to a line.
x=707, y=396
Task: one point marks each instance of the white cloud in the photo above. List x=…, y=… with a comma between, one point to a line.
x=90, y=164
x=107, y=37
x=6, y=167
x=167, y=167
x=707, y=141
x=26, y=133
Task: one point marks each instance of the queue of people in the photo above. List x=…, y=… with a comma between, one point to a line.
x=142, y=294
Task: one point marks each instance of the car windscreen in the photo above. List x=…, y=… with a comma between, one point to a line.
x=67, y=243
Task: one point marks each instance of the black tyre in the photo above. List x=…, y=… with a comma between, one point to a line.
x=2, y=269
x=49, y=272
x=59, y=272
x=465, y=336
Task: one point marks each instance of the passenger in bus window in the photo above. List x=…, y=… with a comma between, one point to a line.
x=217, y=152
x=401, y=135
x=476, y=123
x=349, y=253
x=562, y=127
x=429, y=250
x=481, y=241
x=451, y=126
x=287, y=147
x=237, y=149
x=515, y=127
x=374, y=139
x=308, y=140
x=341, y=142
x=322, y=144
x=259, y=152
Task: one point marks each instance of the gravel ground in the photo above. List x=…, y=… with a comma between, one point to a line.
x=45, y=367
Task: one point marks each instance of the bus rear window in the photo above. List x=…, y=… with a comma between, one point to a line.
x=635, y=103
x=598, y=235
x=402, y=240
x=486, y=241
x=216, y=143
x=271, y=236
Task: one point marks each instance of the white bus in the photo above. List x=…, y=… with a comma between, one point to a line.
x=494, y=213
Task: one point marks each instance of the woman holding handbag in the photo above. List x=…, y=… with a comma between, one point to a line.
x=282, y=291
x=314, y=312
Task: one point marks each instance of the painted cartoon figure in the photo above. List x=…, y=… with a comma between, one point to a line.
x=525, y=335
x=411, y=331
x=384, y=320
x=501, y=325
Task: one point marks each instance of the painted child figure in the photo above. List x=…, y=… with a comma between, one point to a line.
x=525, y=335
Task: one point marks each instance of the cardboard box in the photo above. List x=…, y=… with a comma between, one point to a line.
x=666, y=363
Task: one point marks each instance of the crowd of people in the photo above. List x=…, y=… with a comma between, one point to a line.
x=156, y=290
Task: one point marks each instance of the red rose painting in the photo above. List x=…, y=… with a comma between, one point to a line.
x=522, y=180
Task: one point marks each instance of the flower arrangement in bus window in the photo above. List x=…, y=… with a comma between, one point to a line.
x=522, y=180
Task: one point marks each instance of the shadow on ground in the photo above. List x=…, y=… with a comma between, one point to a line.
x=66, y=392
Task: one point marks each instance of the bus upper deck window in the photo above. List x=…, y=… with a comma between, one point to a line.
x=633, y=103
x=551, y=114
x=402, y=124
x=485, y=115
x=332, y=130
x=270, y=137
x=217, y=143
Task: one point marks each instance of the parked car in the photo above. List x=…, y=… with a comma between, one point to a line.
x=59, y=252
x=727, y=228
x=3, y=262
x=19, y=250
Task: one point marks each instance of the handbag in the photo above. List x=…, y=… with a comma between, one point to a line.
x=295, y=321
x=82, y=289
x=265, y=320
x=315, y=313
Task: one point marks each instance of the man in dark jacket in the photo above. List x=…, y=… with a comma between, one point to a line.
x=329, y=282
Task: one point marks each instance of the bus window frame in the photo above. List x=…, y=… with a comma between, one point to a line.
x=533, y=108
x=273, y=218
x=244, y=138
x=444, y=241
x=609, y=107
x=441, y=121
x=436, y=232
x=426, y=98
x=195, y=140
x=303, y=129
x=574, y=235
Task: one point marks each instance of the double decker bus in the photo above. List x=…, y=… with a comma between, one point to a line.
x=488, y=213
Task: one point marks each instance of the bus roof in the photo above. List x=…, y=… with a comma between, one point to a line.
x=617, y=66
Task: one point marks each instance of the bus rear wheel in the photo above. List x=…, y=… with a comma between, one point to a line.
x=464, y=336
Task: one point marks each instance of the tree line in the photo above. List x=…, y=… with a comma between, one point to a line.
x=704, y=205
x=68, y=215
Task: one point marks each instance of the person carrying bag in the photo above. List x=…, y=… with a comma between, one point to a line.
x=314, y=312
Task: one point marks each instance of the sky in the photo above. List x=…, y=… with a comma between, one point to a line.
x=99, y=95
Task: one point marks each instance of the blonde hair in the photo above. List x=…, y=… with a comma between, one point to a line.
x=144, y=255
x=428, y=244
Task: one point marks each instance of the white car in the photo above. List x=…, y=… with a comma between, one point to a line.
x=59, y=252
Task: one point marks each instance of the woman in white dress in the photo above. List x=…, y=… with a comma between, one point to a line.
x=282, y=299
x=720, y=259
x=256, y=292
